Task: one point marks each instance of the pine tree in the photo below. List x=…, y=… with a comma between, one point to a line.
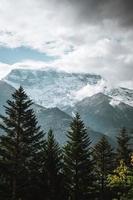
x=53, y=168
x=104, y=163
x=123, y=147
x=20, y=145
x=77, y=161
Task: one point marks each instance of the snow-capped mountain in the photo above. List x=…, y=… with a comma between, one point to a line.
x=51, y=88
x=102, y=107
x=53, y=118
x=59, y=95
x=97, y=112
x=121, y=95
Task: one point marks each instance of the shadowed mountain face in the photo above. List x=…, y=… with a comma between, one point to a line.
x=6, y=91
x=105, y=111
x=60, y=122
x=55, y=119
x=48, y=118
x=100, y=115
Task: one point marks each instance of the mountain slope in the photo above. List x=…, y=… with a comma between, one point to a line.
x=5, y=93
x=50, y=88
x=59, y=122
x=104, y=109
x=121, y=95
x=48, y=118
x=55, y=119
x=98, y=113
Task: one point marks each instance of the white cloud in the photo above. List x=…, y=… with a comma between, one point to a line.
x=4, y=69
x=50, y=27
x=90, y=90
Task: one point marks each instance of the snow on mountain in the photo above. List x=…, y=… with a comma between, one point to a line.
x=121, y=95
x=90, y=90
x=97, y=112
x=53, y=118
x=101, y=107
x=118, y=95
x=51, y=88
x=114, y=102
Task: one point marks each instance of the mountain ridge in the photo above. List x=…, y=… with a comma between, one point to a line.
x=56, y=93
x=53, y=118
x=101, y=115
x=51, y=88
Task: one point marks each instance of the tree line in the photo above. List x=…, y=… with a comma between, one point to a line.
x=33, y=166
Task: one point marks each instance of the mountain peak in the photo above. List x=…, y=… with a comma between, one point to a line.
x=100, y=95
x=51, y=88
x=95, y=99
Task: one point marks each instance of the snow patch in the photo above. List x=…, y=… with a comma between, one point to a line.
x=51, y=88
x=114, y=102
x=90, y=90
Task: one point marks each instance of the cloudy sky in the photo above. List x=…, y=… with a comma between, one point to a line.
x=94, y=36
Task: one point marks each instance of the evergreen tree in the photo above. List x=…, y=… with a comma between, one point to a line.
x=123, y=147
x=104, y=163
x=53, y=168
x=77, y=161
x=20, y=145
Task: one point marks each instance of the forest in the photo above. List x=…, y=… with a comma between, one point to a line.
x=33, y=166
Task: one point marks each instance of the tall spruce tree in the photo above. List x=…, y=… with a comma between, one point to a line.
x=77, y=161
x=104, y=163
x=124, y=147
x=20, y=145
x=53, y=168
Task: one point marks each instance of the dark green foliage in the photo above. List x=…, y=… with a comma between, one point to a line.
x=124, y=147
x=77, y=161
x=32, y=168
x=52, y=168
x=104, y=163
x=19, y=146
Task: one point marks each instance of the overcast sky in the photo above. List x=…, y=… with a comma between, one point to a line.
x=94, y=36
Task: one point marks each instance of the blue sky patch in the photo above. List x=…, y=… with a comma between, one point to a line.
x=11, y=56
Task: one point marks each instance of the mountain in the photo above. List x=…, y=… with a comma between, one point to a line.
x=103, y=108
x=48, y=118
x=121, y=95
x=99, y=113
x=59, y=122
x=55, y=119
x=6, y=91
x=51, y=88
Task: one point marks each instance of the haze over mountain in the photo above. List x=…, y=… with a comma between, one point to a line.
x=5, y=93
x=59, y=95
x=98, y=112
x=52, y=88
x=74, y=60
x=48, y=118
